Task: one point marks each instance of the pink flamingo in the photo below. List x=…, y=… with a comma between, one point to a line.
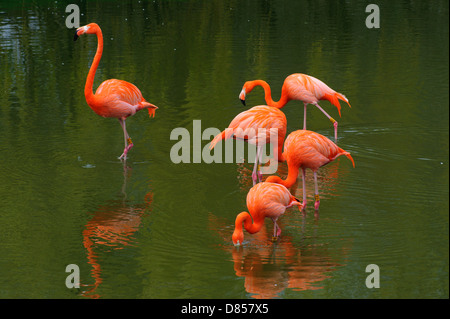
x=300, y=87
x=113, y=98
x=256, y=126
x=306, y=149
x=264, y=200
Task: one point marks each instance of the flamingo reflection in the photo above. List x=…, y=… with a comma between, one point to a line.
x=270, y=269
x=112, y=226
x=328, y=178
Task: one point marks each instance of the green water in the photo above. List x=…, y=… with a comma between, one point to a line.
x=150, y=228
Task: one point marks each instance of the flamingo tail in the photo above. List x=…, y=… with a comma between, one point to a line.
x=348, y=156
x=149, y=106
x=334, y=99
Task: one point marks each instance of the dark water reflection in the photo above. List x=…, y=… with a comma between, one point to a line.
x=163, y=230
x=112, y=227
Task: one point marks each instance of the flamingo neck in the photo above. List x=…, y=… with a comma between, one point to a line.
x=268, y=94
x=88, y=93
x=278, y=149
x=250, y=224
x=289, y=181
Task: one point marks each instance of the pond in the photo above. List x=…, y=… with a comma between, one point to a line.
x=151, y=228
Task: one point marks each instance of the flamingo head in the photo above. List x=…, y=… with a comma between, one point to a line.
x=247, y=88
x=238, y=237
x=242, y=95
x=238, y=234
x=295, y=202
x=90, y=28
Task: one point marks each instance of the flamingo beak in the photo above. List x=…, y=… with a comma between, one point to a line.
x=242, y=96
x=80, y=31
x=295, y=202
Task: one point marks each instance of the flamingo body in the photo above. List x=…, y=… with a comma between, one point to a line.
x=311, y=90
x=255, y=126
x=119, y=99
x=264, y=200
x=302, y=87
x=113, y=98
x=306, y=149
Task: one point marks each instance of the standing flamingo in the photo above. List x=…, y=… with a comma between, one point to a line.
x=263, y=200
x=300, y=87
x=306, y=149
x=113, y=98
x=256, y=126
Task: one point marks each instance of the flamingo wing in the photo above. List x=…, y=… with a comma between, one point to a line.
x=268, y=199
x=120, y=90
x=120, y=99
x=246, y=125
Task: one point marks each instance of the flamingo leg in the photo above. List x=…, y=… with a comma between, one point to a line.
x=304, y=188
x=128, y=142
x=259, y=164
x=256, y=174
x=304, y=117
x=255, y=167
x=335, y=123
x=316, y=192
x=276, y=230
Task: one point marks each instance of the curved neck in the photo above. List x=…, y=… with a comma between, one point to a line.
x=252, y=226
x=268, y=94
x=88, y=93
x=289, y=181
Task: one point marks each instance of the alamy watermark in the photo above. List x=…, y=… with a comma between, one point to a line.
x=373, y=279
x=233, y=152
x=373, y=19
x=73, y=19
x=73, y=280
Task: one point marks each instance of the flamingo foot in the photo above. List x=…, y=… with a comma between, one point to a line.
x=302, y=207
x=316, y=205
x=125, y=152
x=275, y=238
x=317, y=202
x=254, y=178
x=260, y=176
x=335, y=124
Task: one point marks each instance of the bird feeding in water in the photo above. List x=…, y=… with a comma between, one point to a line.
x=256, y=126
x=300, y=87
x=306, y=149
x=264, y=200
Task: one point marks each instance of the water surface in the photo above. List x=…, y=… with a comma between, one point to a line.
x=149, y=228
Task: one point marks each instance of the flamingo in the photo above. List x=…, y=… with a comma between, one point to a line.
x=113, y=98
x=249, y=125
x=300, y=87
x=263, y=200
x=306, y=149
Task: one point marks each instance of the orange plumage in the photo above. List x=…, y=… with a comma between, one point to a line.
x=255, y=126
x=264, y=200
x=306, y=149
x=113, y=98
x=300, y=87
